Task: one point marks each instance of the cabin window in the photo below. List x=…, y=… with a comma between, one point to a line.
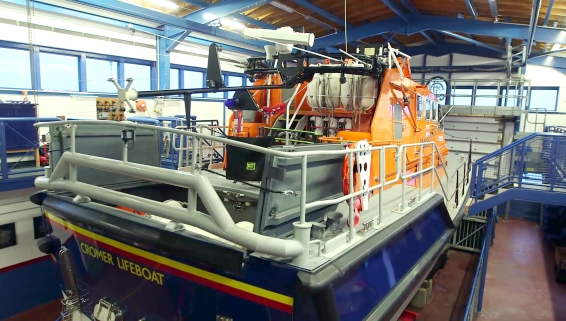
x=419, y=107
x=7, y=235
x=434, y=109
x=427, y=110
x=398, y=120
x=39, y=228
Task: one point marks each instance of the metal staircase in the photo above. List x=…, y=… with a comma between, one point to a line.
x=532, y=168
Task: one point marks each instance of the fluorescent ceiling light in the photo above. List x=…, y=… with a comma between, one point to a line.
x=164, y=3
x=209, y=17
x=555, y=47
x=231, y=23
x=155, y=9
x=282, y=6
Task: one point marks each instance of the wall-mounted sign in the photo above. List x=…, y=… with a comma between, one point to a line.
x=439, y=87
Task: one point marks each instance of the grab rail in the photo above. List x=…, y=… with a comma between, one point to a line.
x=220, y=222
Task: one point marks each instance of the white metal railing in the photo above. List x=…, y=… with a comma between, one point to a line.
x=212, y=146
x=220, y=222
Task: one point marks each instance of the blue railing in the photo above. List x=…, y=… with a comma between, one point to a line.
x=475, y=299
x=535, y=161
x=19, y=139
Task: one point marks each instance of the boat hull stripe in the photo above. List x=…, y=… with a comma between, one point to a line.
x=212, y=280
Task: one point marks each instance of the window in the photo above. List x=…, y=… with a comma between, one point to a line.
x=486, y=97
x=427, y=104
x=215, y=95
x=462, y=97
x=419, y=106
x=543, y=98
x=193, y=79
x=513, y=98
x=14, y=69
x=248, y=82
x=174, y=79
x=97, y=74
x=59, y=72
x=234, y=81
x=141, y=75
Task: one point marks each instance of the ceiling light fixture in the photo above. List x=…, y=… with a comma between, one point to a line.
x=282, y=6
x=165, y=4
x=231, y=23
x=555, y=47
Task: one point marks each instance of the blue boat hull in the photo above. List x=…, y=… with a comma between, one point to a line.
x=122, y=261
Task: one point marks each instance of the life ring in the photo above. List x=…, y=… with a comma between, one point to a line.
x=346, y=186
x=131, y=210
x=141, y=105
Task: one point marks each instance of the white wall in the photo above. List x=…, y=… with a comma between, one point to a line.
x=85, y=107
x=538, y=75
x=21, y=211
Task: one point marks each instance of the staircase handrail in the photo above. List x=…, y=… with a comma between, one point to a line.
x=477, y=186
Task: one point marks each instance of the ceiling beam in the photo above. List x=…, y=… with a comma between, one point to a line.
x=414, y=11
x=533, y=26
x=240, y=17
x=321, y=12
x=446, y=49
x=472, y=41
x=461, y=16
x=427, y=22
x=399, y=12
x=223, y=9
x=167, y=20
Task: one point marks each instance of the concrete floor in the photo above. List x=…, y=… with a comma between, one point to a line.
x=450, y=289
x=46, y=312
x=520, y=282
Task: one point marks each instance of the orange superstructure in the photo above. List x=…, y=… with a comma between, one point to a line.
x=390, y=110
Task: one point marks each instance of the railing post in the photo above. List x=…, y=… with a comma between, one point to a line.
x=301, y=229
x=420, y=170
x=192, y=197
x=522, y=164
x=3, y=150
x=487, y=243
x=403, y=179
x=553, y=162
x=73, y=168
x=434, y=167
x=351, y=229
x=457, y=188
x=382, y=183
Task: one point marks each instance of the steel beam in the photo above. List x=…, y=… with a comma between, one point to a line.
x=224, y=8
x=399, y=12
x=426, y=22
x=407, y=4
x=547, y=17
x=241, y=17
x=472, y=41
x=46, y=6
x=321, y=12
x=533, y=26
x=461, y=16
x=165, y=19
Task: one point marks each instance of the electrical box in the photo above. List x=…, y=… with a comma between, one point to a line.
x=106, y=109
x=20, y=135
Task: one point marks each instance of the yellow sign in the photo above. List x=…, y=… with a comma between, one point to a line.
x=250, y=166
x=123, y=264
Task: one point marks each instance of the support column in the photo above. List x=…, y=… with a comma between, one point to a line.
x=164, y=45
